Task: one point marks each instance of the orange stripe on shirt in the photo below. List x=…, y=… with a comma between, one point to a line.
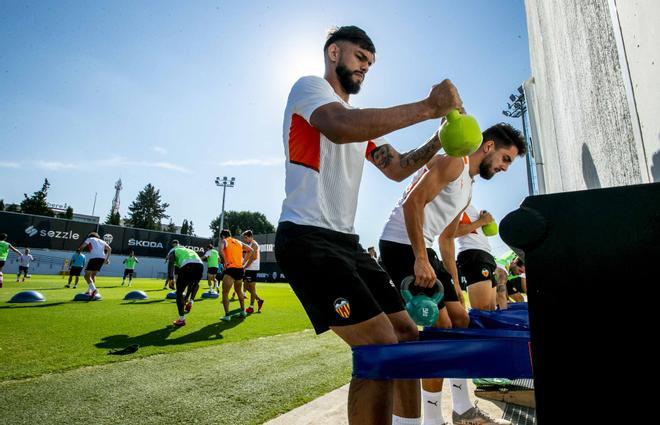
x=370, y=148
x=304, y=143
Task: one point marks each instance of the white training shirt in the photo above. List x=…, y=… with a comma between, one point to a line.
x=97, y=247
x=322, y=177
x=256, y=263
x=437, y=214
x=25, y=260
x=475, y=239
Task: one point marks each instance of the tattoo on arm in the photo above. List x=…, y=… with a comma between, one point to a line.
x=421, y=155
x=382, y=156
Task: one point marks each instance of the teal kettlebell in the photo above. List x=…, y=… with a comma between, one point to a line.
x=422, y=308
x=461, y=135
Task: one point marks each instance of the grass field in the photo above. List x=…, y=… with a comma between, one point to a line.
x=244, y=371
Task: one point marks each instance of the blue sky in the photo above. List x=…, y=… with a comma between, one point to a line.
x=177, y=93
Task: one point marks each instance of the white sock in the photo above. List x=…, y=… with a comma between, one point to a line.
x=460, y=396
x=432, y=404
x=182, y=317
x=397, y=420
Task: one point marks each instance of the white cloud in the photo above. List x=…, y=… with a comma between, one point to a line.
x=115, y=161
x=259, y=162
x=9, y=164
x=159, y=149
x=56, y=165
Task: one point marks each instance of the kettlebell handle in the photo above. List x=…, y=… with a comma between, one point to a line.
x=407, y=295
x=453, y=115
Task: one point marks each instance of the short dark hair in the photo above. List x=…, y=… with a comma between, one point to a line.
x=247, y=233
x=504, y=135
x=226, y=233
x=3, y=236
x=352, y=34
x=175, y=241
x=94, y=235
x=209, y=246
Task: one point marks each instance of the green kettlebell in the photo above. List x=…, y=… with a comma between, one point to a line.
x=461, y=135
x=422, y=308
x=490, y=229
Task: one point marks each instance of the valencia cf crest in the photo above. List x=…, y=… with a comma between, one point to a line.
x=343, y=308
x=485, y=272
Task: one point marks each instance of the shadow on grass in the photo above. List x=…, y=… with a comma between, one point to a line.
x=35, y=305
x=160, y=337
x=140, y=302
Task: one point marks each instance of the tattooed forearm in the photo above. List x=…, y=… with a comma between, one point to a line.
x=417, y=157
x=382, y=156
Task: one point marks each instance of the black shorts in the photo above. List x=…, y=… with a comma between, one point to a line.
x=2, y=263
x=95, y=264
x=128, y=272
x=189, y=275
x=212, y=270
x=235, y=273
x=250, y=275
x=75, y=271
x=514, y=286
x=23, y=269
x=475, y=265
x=399, y=262
x=334, y=278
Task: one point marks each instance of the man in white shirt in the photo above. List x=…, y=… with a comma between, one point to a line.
x=99, y=254
x=476, y=265
x=431, y=208
x=252, y=265
x=326, y=141
x=24, y=264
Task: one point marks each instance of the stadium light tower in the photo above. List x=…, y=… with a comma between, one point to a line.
x=517, y=109
x=224, y=183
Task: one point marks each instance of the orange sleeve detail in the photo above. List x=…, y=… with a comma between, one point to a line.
x=304, y=143
x=370, y=148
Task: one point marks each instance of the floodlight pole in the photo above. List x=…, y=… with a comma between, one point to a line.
x=518, y=109
x=224, y=183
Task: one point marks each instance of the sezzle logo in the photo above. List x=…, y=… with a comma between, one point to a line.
x=108, y=238
x=56, y=234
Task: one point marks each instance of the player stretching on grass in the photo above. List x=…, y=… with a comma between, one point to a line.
x=99, y=254
x=190, y=271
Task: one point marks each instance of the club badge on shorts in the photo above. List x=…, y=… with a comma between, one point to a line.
x=485, y=272
x=343, y=308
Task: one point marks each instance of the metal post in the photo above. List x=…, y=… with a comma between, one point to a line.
x=94, y=207
x=528, y=159
x=222, y=214
x=224, y=183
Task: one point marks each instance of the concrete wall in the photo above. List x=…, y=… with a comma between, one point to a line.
x=639, y=20
x=582, y=109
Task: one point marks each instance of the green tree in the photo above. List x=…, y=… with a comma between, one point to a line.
x=13, y=208
x=113, y=218
x=2, y=204
x=68, y=214
x=171, y=227
x=36, y=204
x=187, y=228
x=147, y=211
x=236, y=221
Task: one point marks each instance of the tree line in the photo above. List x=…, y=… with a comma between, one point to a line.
x=147, y=211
